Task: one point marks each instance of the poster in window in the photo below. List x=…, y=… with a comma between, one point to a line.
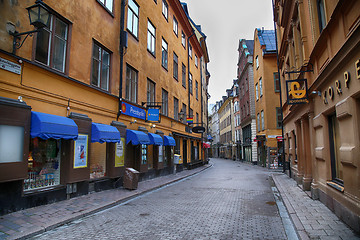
x=81, y=151
x=160, y=154
x=119, y=153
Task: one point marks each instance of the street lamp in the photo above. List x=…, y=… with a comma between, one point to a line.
x=39, y=17
x=181, y=115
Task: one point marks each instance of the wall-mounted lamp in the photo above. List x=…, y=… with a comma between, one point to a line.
x=39, y=17
x=133, y=121
x=153, y=126
x=181, y=115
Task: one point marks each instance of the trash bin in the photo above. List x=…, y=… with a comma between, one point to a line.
x=131, y=178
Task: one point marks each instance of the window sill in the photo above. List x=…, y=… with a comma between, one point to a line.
x=152, y=54
x=335, y=185
x=164, y=68
x=44, y=189
x=129, y=31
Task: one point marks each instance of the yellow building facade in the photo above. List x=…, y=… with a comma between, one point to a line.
x=267, y=102
x=96, y=75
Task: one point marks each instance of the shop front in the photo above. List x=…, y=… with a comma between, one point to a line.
x=137, y=148
x=169, y=145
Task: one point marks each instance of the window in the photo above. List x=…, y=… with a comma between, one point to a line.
x=107, y=3
x=175, y=67
x=165, y=9
x=184, y=111
x=334, y=135
x=164, y=109
x=51, y=44
x=321, y=14
x=190, y=83
x=131, y=84
x=262, y=120
x=276, y=82
x=257, y=91
x=183, y=40
x=133, y=18
x=175, y=26
x=190, y=50
x=176, y=108
x=257, y=62
x=183, y=68
x=197, y=117
x=260, y=87
x=143, y=154
x=100, y=67
x=258, y=122
x=196, y=61
x=196, y=90
x=191, y=113
x=164, y=54
x=151, y=38
x=278, y=117
x=150, y=93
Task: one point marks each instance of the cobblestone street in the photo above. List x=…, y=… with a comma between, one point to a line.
x=231, y=200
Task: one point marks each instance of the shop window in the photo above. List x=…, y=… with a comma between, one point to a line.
x=11, y=143
x=43, y=164
x=165, y=157
x=143, y=154
x=334, y=138
x=97, y=160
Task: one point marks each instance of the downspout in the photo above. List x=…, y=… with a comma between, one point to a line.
x=188, y=51
x=278, y=71
x=122, y=45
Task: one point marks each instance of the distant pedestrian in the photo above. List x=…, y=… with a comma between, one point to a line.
x=234, y=157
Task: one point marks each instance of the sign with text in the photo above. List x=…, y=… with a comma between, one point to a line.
x=153, y=115
x=296, y=91
x=120, y=153
x=133, y=111
x=10, y=66
x=81, y=151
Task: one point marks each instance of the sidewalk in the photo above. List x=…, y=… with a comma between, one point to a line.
x=30, y=222
x=311, y=218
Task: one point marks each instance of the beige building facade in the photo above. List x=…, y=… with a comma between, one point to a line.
x=319, y=41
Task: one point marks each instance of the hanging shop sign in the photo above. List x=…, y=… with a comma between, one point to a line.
x=198, y=129
x=153, y=115
x=296, y=91
x=133, y=111
x=120, y=153
x=81, y=151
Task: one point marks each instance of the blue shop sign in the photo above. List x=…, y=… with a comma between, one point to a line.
x=133, y=111
x=153, y=115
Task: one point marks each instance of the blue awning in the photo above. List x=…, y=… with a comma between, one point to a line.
x=169, y=141
x=104, y=133
x=137, y=137
x=47, y=126
x=155, y=139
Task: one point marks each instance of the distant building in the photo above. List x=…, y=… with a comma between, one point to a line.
x=247, y=100
x=226, y=116
x=267, y=98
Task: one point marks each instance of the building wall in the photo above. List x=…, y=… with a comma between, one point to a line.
x=311, y=147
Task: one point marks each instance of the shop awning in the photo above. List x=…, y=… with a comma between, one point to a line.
x=155, y=139
x=137, y=137
x=104, y=133
x=169, y=141
x=47, y=126
x=206, y=145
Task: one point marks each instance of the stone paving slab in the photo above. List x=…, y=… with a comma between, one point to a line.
x=30, y=222
x=312, y=219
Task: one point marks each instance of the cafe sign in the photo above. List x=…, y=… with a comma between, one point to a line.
x=296, y=91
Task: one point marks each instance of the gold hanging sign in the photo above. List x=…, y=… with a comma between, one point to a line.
x=296, y=91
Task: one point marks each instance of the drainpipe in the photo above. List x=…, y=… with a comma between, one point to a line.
x=188, y=51
x=122, y=45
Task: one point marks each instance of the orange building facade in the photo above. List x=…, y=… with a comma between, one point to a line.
x=319, y=42
x=94, y=93
x=267, y=102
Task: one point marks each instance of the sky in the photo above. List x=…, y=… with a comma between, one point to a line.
x=225, y=23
